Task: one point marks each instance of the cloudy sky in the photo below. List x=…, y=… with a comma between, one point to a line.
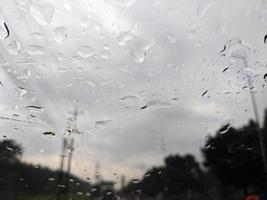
x=147, y=78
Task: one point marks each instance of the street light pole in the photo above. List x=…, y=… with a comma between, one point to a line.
x=260, y=133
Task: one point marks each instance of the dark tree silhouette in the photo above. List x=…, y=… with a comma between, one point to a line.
x=234, y=156
x=9, y=151
x=180, y=178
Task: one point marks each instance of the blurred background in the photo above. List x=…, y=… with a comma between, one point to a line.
x=131, y=99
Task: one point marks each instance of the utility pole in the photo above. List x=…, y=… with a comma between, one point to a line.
x=60, y=181
x=71, y=148
x=260, y=133
x=63, y=178
x=68, y=144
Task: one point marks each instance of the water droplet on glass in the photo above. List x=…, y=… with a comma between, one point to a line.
x=135, y=181
x=171, y=38
x=140, y=50
x=108, y=193
x=51, y=179
x=102, y=123
x=123, y=38
x=236, y=48
x=60, y=34
x=87, y=194
x=4, y=30
x=61, y=186
x=204, y=93
x=105, y=54
x=173, y=68
x=85, y=51
x=22, y=92
x=42, y=13
x=24, y=74
x=38, y=109
x=265, y=77
x=225, y=128
x=147, y=175
x=130, y=99
x=203, y=8
x=13, y=47
x=35, y=50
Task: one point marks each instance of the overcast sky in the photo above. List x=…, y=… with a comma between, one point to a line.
x=136, y=72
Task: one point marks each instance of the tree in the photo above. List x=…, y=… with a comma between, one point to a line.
x=10, y=151
x=234, y=156
x=180, y=178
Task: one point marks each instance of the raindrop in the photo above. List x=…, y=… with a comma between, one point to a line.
x=51, y=179
x=108, y=193
x=49, y=133
x=265, y=77
x=9, y=148
x=203, y=9
x=69, y=5
x=225, y=128
x=85, y=51
x=22, y=92
x=61, y=186
x=4, y=31
x=105, y=54
x=123, y=38
x=60, y=34
x=173, y=68
x=135, y=181
x=143, y=107
x=175, y=99
x=35, y=108
x=171, y=38
x=204, y=93
x=35, y=50
x=138, y=58
x=87, y=194
x=139, y=191
x=236, y=48
x=140, y=49
x=42, y=13
x=225, y=69
x=24, y=74
x=13, y=47
x=265, y=39
x=147, y=175
x=102, y=123
x=129, y=99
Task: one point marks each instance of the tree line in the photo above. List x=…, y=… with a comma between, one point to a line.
x=232, y=168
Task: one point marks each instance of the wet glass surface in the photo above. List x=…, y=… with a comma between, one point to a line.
x=131, y=99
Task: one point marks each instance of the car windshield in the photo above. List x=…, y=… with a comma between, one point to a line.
x=132, y=99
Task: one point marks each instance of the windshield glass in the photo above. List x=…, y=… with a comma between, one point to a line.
x=131, y=99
